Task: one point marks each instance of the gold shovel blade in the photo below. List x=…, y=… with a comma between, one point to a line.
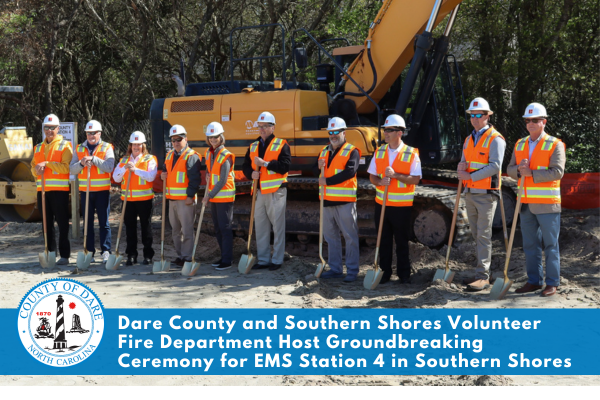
x=372, y=278
x=113, y=262
x=500, y=289
x=246, y=263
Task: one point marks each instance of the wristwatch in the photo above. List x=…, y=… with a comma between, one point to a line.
x=266, y=164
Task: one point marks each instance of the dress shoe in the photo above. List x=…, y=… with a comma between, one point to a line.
x=405, y=281
x=331, y=275
x=349, y=278
x=478, y=285
x=549, y=291
x=468, y=281
x=177, y=261
x=274, y=267
x=385, y=278
x=260, y=266
x=131, y=261
x=147, y=261
x=528, y=288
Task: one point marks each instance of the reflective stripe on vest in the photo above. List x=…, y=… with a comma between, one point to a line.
x=399, y=193
x=477, y=157
x=345, y=191
x=270, y=181
x=227, y=192
x=177, y=179
x=99, y=180
x=53, y=181
x=139, y=189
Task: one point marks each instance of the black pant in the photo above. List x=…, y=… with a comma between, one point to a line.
x=143, y=210
x=396, y=223
x=222, y=216
x=57, y=209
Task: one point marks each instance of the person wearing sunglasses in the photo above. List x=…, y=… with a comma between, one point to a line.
x=181, y=170
x=540, y=160
x=140, y=167
x=398, y=167
x=51, y=159
x=99, y=156
x=479, y=169
x=268, y=160
x=340, y=160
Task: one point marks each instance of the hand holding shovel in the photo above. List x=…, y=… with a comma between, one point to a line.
x=191, y=267
x=501, y=286
x=84, y=259
x=47, y=258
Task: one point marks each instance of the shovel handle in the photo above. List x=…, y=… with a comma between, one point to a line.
x=321, y=203
x=453, y=225
x=199, y=224
x=164, y=204
x=254, y=190
x=385, y=194
x=44, y=213
x=514, y=226
x=123, y=214
x=502, y=211
x=87, y=206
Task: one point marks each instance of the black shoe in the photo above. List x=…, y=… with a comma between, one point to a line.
x=261, y=266
x=406, y=281
x=147, y=261
x=223, y=267
x=178, y=262
x=385, y=279
x=131, y=261
x=274, y=267
x=216, y=264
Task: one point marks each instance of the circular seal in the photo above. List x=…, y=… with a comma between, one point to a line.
x=60, y=322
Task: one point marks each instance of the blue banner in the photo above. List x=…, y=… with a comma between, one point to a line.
x=298, y=341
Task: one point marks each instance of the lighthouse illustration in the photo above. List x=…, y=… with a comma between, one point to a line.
x=60, y=342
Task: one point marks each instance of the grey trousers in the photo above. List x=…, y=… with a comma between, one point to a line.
x=480, y=210
x=270, y=212
x=341, y=218
x=182, y=226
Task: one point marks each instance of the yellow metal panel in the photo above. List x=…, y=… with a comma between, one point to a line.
x=309, y=104
x=193, y=120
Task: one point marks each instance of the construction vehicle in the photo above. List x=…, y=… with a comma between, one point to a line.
x=18, y=196
x=391, y=73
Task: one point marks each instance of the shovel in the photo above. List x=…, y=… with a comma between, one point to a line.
x=191, y=267
x=373, y=277
x=247, y=261
x=322, y=264
x=84, y=259
x=445, y=274
x=162, y=265
x=501, y=286
x=114, y=260
x=502, y=211
x=47, y=258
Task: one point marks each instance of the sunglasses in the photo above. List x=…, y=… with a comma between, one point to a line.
x=477, y=115
x=264, y=127
x=533, y=120
x=334, y=132
x=92, y=133
x=50, y=128
x=392, y=130
x=176, y=140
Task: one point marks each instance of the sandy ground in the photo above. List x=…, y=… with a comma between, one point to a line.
x=287, y=288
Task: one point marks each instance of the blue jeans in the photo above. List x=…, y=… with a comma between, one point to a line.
x=99, y=204
x=535, y=228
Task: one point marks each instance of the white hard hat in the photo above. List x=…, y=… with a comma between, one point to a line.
x=177, y=130
x=535, y=110
x=336, y=124
x=266, y=117
x=137, y=137
x=51, y=119
x=214, y=129
x=479, y=104
x=394, y=120
x=93, y=126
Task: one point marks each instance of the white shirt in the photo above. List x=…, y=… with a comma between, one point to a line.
x=148, y=176
x=415, y=166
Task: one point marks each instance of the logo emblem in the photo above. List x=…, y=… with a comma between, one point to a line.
x=90, y=127
x=250, y=124
x=332, y=124
x=475, y=104
x=531, y=111
x=60, y=322
x=49, y=118
x=263, y=117
x=136, y=138
x=212, y=130
x=386, y=121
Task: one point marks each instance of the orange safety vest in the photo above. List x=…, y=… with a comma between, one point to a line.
x=54, y=182
x=227, y=193
x=345, y=191
x=270, y=181
x=544, y=192
x=140, y=189
x=98, y=180
x=177, y=179
x=399, y=193
x=477, y=157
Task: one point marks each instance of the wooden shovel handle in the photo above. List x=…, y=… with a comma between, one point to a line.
x=199, y=224
x=254, y=190
x=502, y=211
x=321, y=203
x=87, y=206
x=454, y=215
x=385, y=193
x=122, y=217
x=44, y=212
x=514, y=226
x=164, y=205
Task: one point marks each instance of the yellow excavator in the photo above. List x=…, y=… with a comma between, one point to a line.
x=400, y=69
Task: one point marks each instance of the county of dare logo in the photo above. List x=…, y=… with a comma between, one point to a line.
x=60, y=322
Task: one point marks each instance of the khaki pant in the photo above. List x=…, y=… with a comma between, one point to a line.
x=270, y=212
x=182, y=224
x=480, y=210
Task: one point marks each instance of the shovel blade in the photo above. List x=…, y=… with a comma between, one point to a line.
x=166, y=265
x=500, y=289
x=246, y=263
x=319, y=270
x=47, y=260
x=157, y=267
x=372, y=278
x=192, y=269
x=84, y=260
x=187, y=268
x=113, y=262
